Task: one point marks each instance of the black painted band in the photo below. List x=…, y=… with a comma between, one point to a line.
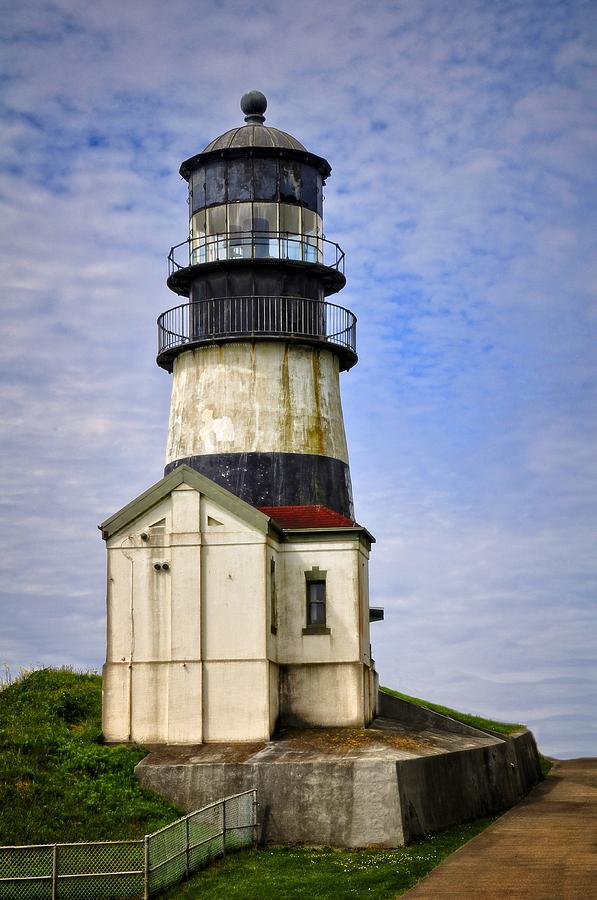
x=277, y=479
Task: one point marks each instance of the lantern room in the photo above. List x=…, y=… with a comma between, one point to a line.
x=256, y=256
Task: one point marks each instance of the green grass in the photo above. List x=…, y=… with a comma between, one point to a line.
x=320, y=872
x=474, y=721
x=546, y=763
x=58, y=782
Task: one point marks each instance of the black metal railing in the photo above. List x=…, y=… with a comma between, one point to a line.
x=239, y=245
x=275, y=318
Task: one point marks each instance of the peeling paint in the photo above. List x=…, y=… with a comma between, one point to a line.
x=215, y=432
x=316, y=429
x=256, y=397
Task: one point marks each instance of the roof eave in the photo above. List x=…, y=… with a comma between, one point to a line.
x=183, y=474
x=343, y=530
x=312, y=159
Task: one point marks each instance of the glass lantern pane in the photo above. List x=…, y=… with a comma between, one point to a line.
x=239, y=217
x=216, y=220
x=290, y=231
x=216, y=229
x=313, y=247
x=239, y=227
x=265, y=228
x=197, y=235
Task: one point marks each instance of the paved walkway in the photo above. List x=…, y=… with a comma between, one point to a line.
x=543, y=849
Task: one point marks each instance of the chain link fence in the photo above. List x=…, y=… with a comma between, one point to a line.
x=130, y=870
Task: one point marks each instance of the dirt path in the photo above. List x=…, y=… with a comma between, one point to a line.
x=543, y=849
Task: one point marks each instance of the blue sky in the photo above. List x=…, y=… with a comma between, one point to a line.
x=462, y=137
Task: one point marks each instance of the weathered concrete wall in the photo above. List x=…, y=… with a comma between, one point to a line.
x=342, y=803
x=348, y=639
x=328, y=695
x=186, y=651
x=438, y=791
x=256, y=397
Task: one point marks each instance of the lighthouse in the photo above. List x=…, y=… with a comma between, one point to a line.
x=237, y=586
x=238, y=618
x=257, y=346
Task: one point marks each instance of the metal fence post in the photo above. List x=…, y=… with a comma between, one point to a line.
x=254, y=818
x=223, y=827
x=187, y=849
x=146, y=890
x=54, y=871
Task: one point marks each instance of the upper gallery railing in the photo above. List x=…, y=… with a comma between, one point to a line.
x=277, y=318
x=239, y=245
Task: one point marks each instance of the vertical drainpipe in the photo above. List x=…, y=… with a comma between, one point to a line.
x=132, y=643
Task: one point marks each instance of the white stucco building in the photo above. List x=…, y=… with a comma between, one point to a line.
x=223, y=620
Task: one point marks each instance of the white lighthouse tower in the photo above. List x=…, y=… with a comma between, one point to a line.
x=238, y=584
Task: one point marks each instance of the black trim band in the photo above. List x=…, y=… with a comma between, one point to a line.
x=277, y=479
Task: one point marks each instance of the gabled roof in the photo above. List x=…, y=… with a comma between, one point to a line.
x=184, y=475
x=307, y=516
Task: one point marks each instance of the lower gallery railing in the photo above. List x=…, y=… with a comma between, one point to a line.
x=219, y=318
x=124, y=870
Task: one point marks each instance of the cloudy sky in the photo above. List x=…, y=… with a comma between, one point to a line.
x=463, y=138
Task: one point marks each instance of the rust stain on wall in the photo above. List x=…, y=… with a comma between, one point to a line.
x=287, y=410
x=315, y=435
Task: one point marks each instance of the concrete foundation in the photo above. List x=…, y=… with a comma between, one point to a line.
x=411, y=773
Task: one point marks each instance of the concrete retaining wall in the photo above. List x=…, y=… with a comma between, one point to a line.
x=449, y=788
x=339, y=803
x=438, y=791
x=357, y=802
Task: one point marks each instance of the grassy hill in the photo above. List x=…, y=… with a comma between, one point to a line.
x=467, y=718
x=58, y=782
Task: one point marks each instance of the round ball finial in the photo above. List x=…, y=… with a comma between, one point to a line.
x=253, y=104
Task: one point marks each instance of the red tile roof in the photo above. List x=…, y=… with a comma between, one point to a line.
x=313, y=516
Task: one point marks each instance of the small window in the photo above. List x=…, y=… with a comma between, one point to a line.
x=316, y=602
